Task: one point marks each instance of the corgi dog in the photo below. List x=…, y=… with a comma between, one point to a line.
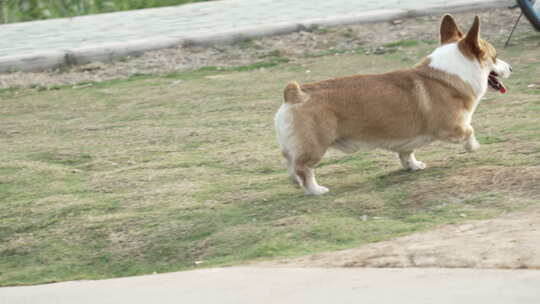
x=399, y=111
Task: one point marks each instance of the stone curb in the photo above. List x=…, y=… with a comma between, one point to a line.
x=115, y=51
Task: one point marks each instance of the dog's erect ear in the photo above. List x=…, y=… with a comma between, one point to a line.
x=449, y=30
x=473, y=36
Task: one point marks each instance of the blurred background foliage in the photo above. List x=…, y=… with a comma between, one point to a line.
x=27, y=10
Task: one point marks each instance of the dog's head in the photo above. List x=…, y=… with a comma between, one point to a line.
x=477, y=49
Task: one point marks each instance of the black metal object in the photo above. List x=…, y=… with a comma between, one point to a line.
x=527, y=7
x=512, y=32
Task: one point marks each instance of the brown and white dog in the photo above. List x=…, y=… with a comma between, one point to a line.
x=399, y=111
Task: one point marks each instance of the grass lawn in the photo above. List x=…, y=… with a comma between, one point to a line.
x=158, y=174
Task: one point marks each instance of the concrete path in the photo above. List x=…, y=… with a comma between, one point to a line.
x=183, y=20
x=237, y=285
x=50, y=43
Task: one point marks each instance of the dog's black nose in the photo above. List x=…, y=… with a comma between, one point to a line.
x=510, y=67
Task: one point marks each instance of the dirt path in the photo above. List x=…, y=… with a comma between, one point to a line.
x=508, y=242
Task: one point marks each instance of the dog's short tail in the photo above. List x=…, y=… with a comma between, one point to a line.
x=293, y=93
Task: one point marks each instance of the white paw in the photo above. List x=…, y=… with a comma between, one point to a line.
x=317, y=190
x=472, y=145
x=417, y=165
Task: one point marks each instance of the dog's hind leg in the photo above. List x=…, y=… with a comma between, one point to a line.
x=290, y=168
x=305, y=174
x=301, y=172
x=409, y=162
x=302, y=147
x=302, y=156
x=300, y=167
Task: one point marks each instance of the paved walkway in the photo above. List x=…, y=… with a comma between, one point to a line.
x=178, y=21
x=238, y=285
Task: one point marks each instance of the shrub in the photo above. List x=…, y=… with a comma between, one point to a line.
x=26, y=10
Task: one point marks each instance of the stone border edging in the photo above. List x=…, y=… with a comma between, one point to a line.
x=115, y=51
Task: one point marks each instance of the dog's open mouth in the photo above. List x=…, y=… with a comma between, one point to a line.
x=495, y=84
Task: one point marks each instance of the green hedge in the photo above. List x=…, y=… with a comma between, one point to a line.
x=26, y=10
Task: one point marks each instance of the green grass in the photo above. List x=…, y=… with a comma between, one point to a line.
x=155, y=173
x=404, y=43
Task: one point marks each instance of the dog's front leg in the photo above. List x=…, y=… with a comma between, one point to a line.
x=471, y=144
x=409, y=162
x=462, y=134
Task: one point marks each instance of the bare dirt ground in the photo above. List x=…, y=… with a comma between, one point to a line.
x=509, y=242
x=496, y=24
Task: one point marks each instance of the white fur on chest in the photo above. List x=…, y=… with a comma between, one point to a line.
x=448, y=58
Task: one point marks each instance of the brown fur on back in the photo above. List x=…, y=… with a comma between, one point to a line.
x=397, y=105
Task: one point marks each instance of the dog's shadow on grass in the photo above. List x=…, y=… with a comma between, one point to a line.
x=400, y=177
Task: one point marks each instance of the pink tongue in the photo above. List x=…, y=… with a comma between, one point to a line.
x=502, y=89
